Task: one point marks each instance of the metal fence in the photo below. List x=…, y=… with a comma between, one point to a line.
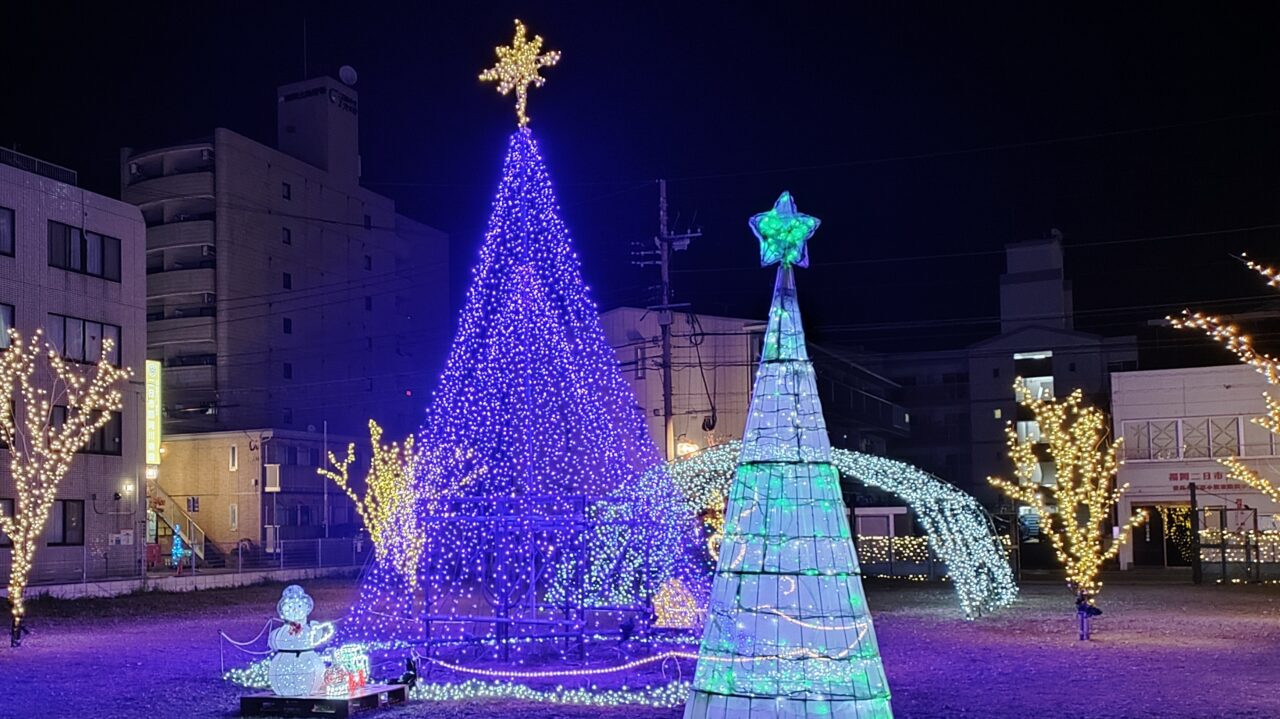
x=1236, y=557
x=287, y=554
x=71, y=565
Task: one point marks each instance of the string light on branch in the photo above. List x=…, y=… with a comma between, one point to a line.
x=1076, y=508
x=1229, y=336
x=42, y=442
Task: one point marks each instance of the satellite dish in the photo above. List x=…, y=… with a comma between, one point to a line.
x=347, y=75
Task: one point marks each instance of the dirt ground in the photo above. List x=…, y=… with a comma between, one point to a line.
x=1160, y=650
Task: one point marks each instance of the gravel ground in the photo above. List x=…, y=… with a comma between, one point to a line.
x=1161, y=650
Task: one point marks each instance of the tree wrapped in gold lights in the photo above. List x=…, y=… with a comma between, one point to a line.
x=1083, y=494
x=389, y=505
x=402, y=487
x=36, y=379
x=1229, y=336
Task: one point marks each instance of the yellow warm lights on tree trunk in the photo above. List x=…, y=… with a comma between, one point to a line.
x=389, y=507
x=1083, y=494
x=41, y=448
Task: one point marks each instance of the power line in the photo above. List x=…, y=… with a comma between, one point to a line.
x=981, y=148
x=982, y=253
x=908, y=157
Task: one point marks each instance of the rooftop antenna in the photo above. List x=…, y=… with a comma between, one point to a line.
x=347, y=75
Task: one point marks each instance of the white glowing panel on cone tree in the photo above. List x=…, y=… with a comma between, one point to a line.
x=788, y=630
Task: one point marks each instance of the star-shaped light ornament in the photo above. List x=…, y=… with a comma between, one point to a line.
x=783, y=232
x=517, y=68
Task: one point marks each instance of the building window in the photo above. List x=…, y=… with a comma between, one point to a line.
x=286, y=235
x=233, y=516
x=997, y=413
x=1195, y=438
x=1071, y=366
x=233, y=458
x=286, y=190
x=6, y=508
x=995, y=372
x=81, y=340
x=288, y=326
x=6, y=231
x=315, y=457
x=368, y=343
x=368, y=222
x=6, y=324
x=106, y=440
x=288, y=281
x=368, y=303
x=1257, y=439
x=1224, y=436
x=286, y=415
x=368, y=262
x=66, y=523
x=288, y=370
x=642, y=359
x=89, y=253
x=193, y=504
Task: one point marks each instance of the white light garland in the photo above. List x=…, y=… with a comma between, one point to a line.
x=958, y=529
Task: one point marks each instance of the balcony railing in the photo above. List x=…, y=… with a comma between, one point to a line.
x=204, y=264
x=40, y=167
x=191, y=361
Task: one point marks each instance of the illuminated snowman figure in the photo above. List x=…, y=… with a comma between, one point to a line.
x=297, y=668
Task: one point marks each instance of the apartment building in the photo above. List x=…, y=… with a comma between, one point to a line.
x=260, y=486
x=283, y=300
x=281, y=293
x=71, y=262
x=961, y=399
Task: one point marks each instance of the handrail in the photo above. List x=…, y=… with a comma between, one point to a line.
x=177, y=518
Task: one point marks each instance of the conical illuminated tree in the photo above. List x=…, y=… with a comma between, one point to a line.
x=537, y=444
x=788, y=631
x=532, y=385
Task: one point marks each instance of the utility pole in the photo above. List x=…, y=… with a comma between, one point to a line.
x=666, y=242
x=324, y=457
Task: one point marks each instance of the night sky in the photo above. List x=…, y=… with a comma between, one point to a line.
x=937, y=132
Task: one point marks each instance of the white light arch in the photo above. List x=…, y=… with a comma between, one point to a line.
x=958, y=528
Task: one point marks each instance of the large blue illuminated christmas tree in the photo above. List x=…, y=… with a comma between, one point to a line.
x=533, y=505
x=788, y=631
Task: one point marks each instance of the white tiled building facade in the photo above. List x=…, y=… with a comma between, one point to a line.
x=1176, y=424
x=71, y=262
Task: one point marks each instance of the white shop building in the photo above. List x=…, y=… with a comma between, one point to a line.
x=1176, y=424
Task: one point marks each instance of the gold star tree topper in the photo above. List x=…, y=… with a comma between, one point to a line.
x=518, y=66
